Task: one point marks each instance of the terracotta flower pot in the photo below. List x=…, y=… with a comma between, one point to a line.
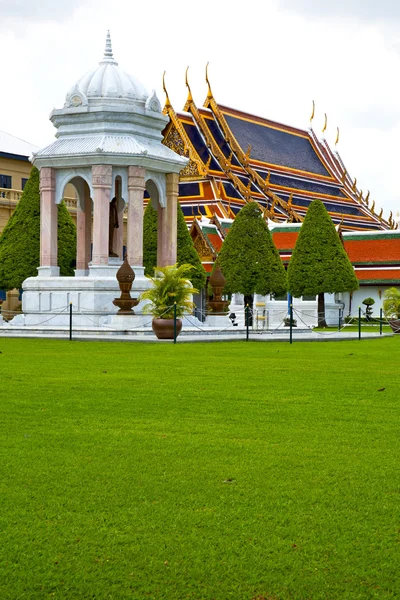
x=164, y=328
x=395, y=325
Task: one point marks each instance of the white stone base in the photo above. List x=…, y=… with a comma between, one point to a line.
x=219, y=321
x=46, y=300
x=125, y=322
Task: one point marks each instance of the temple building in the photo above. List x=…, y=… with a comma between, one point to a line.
x=109, y=139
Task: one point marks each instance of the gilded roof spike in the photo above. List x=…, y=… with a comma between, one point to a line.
x=354, y=185
x=373, y=207
x=380, y=215
x=207, y=165
x=167, y=100
x=190, y=97
x=209, y=93
x=325, y=124
x=360, y=196
x=337, y=136
x=289, y=202
x=367, y=199
x=312, y=112
x=268, y=177
x=344, y=176
x=391, y=218
x=248, y=151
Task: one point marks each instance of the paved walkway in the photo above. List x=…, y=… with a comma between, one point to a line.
x=187, y=335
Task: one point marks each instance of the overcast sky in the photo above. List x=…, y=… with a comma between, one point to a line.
x=267, y=57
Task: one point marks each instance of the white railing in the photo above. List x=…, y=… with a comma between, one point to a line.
x=10, y=195
x=13, y=196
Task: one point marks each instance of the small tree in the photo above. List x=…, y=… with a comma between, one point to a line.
x=186, y=252
x=368, y=303
x=20, y=240
x=249, y=259
x=319, y=262
x=149, y=239
x=391, y=303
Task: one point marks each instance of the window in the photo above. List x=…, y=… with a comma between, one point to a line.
x=5, y=181
x=23, y=183
x=280, y=298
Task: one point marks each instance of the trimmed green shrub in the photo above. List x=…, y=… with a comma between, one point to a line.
x=20, y=240
x=186, y=252
x=249, y=259
x=319, y=262
x=149, y=239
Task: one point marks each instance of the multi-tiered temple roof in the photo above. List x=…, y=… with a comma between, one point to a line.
x=236, y=157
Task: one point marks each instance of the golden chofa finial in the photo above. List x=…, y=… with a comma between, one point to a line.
x=190, y=97
x=380, y=215
x=268, y=177
x=367, y=199
x=390, y=221
x=167, y=100
x=207, y=165
x=312, y=112
x=337, y=136
x=325, y=124
x=344, y=176
x=353, y=189
x=289, y=202
x=209, y=92
x=373, y=207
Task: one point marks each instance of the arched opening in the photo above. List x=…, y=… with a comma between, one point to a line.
x=117, y=233
x=83, y=219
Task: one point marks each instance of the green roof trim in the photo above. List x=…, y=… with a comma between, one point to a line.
x=285, y=229
x=378, y=236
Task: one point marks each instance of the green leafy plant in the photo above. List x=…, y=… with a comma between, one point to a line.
x=20, y=240
x=391, y=303
x=249, y=259
x=186, y=252
x=170, y=285
x=319, y=262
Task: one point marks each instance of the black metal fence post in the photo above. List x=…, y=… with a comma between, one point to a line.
x=380, y=321
x=359, y=322
x=247, y=321
x=174, y=322
x=70, y=321
x=291, y=323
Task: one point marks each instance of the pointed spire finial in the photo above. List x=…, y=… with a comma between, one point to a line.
x=190, y=97
x=209, y=93
x=108, y=53
x=167, y=100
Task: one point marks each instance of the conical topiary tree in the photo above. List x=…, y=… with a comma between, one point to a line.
x=20, y=240
x=149, y=239
x=186, y=252
x=319, y=262
x=249, y=259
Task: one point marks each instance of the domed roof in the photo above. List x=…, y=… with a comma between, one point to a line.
x=107, y=81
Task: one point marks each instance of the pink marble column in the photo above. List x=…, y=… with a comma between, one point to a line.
x=83, y=234
x=48, y=223
x=167, y=223
x=101, y=182
x=134, y=242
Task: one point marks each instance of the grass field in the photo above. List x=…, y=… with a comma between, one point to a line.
x=204, y=472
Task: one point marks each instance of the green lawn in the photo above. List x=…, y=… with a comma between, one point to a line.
x=205, y=471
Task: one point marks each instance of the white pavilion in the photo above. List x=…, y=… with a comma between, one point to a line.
x=108, y=146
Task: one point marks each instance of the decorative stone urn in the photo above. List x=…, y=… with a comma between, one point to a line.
x=125, y=276
x=217, y=282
